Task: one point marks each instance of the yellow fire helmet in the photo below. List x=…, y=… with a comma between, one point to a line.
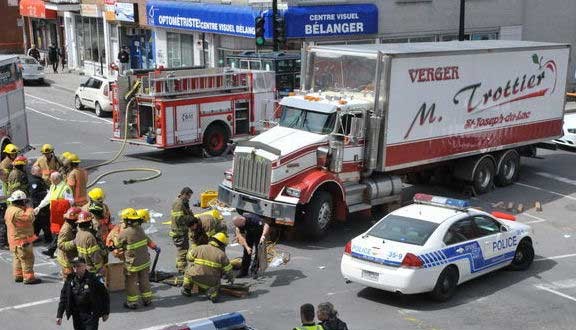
x=66, y=155
x=47, y=148
x=73, y=158
x=97, y=195
x=129, y=214
x=221, y=237
x=20, y=160
x=11, y=149
x=144, y=214
x=214, y=213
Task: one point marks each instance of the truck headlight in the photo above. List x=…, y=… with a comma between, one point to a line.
x=228, y=176
x=293, y=192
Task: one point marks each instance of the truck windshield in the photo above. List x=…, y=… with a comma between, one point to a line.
x=311, y=121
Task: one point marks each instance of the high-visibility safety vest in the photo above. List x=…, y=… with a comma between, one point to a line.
x=57, y=192
x=310, y=327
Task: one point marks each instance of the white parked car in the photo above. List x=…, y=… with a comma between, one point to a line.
x=569, y=130
x=32, y=70
x=95, y=93
x=435, y=244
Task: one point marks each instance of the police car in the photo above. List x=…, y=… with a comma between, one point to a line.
x=435, y=244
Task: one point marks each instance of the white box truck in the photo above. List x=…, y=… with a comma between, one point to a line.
x=369, y=115
x=13, y=124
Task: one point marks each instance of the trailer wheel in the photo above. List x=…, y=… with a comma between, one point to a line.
x=509, y=168
x=319, y=215
x=483, y=177
x=215, y=140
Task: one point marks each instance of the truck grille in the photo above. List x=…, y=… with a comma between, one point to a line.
x=252, y=174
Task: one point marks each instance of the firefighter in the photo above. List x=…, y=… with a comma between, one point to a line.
x=144, y=215
x=18, y=179
x=11, y=152
x=101, y=212
x=64, y=160
x=211, y=222
x=207, y=265
x=77, y=180
x=48, y=163
x=181, y=216
x=87, y=244
x=19, y=219
x=135, y=243
x=66, y=249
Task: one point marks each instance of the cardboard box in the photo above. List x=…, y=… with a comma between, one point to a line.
x=115, y=276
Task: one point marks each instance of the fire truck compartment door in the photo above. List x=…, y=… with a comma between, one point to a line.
x=186, y=128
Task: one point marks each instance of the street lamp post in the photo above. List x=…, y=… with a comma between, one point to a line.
x=462, y=14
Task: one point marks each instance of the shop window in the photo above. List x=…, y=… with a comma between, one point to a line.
x=180, y=50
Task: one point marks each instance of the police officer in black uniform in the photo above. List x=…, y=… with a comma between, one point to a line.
x=251, y=230
x=84, y=297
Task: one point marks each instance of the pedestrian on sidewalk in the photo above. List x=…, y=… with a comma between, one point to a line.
x=38, y=190
x=307, y=317
x=328, y=317
x=84, y=297
x=124, y=60
x=34, y=52
x=54, y=56
x=251, y=230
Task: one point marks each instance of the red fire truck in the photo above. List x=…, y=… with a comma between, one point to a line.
x=179, y=108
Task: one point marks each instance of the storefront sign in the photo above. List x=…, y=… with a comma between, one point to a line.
x=121, y=11
x=326, y=21
x=36, y=8
x=232, y=20
x=90, y=10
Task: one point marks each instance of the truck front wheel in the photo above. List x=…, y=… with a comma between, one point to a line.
x=319, y=214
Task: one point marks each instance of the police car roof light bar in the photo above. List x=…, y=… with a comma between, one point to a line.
x=452, y=203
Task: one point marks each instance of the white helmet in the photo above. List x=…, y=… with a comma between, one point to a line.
x=18, y=195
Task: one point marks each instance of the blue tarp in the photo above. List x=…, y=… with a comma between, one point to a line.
x=203, y=17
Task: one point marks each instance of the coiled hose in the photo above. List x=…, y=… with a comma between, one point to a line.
x=156, y=172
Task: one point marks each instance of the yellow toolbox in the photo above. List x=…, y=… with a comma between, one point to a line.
x=206, y=197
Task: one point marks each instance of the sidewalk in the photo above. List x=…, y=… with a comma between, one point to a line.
x=65, y=80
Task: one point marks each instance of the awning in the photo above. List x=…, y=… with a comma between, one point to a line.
x=331, y=21
x=36, y=8
x=203, y=17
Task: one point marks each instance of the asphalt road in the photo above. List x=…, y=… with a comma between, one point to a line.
x=543, y=297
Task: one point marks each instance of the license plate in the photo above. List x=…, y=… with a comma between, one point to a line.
x=372, y=276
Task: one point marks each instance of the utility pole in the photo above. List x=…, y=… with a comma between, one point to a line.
x=462, y=14
x=275, y=46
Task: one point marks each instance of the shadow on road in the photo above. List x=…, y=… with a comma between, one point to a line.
x=189, y=155
x=481, y=287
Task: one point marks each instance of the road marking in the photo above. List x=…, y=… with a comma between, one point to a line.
x=62, y=119
x=557, y=178
x=557, y=257
x=69, y=108
x=548, y=191
x=537, y=219
x=30, y=304
x=563, y=295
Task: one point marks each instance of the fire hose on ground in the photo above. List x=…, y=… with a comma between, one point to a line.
x=156, y=172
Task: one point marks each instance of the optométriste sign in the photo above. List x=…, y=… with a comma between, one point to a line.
x=326, y=21
x=232, y=20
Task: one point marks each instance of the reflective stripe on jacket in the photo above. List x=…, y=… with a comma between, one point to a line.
x=89, y=249
x=209, y=263
x=180, y=215
x=134, y=242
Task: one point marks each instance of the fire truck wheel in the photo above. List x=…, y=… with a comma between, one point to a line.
x=509, y=168
x=78, y=103
x=215, y=140
x=319, y=214
x=484, y=175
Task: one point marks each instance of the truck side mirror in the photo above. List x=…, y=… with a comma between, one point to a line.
x=322, y=154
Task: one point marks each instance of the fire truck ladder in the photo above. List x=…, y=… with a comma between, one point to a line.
x=177, y=83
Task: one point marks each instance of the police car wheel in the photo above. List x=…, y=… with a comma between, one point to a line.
x=446, y=285
x=523, y=257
